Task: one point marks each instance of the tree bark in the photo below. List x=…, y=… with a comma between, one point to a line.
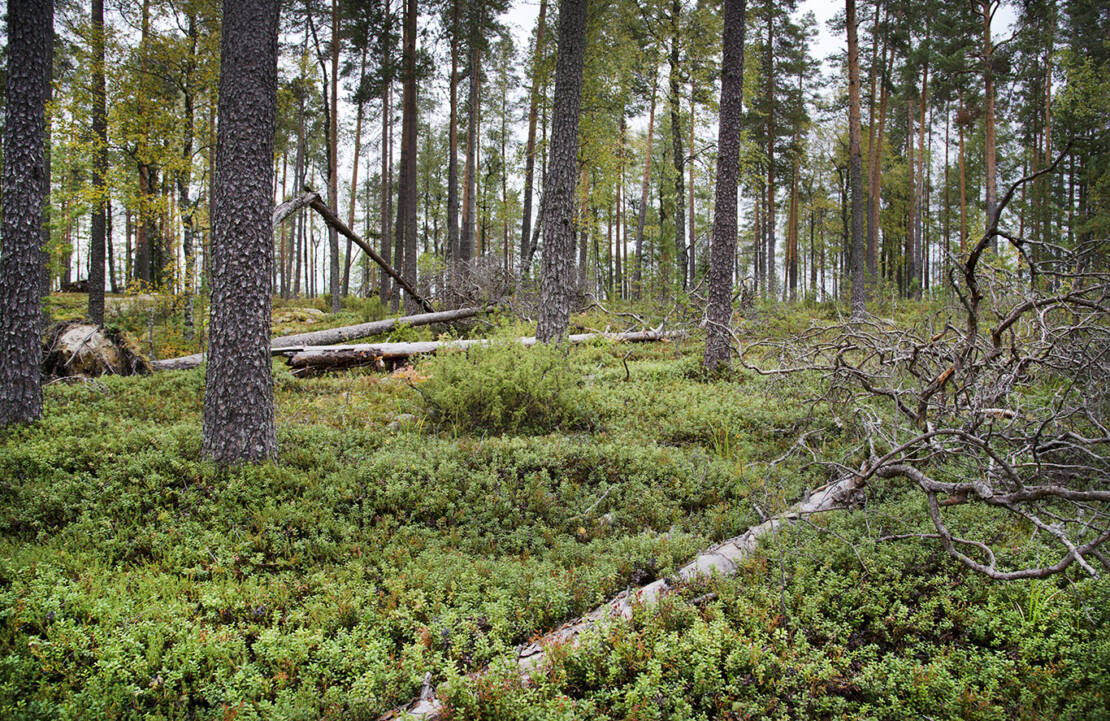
x=855, y=167
x=184, y=178
x=987, y=8
x=239, y=387
x=408, y=153
x=453, y=141
x=718, y=336
x=679, y=156
x=530, y=146
x=638, y=274
x=557, y=280
x=470, y=174
x=354, y=180
x=30, y=39
x=99, y=167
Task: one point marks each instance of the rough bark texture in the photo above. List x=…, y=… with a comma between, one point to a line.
x=332, y=335
x=470, y=173
x=718, y=341
x=724, y=559
x=30, y=38
x=530, y=147
x=638, y=274
x=408, y=153
x=855, y=166
x=679, y=155
x=453, y=141
x=239, y=387
x=99, y=167
x=557, y=280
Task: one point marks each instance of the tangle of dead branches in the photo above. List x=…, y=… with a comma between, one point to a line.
x=1001, y=402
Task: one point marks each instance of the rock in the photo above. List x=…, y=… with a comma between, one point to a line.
x=76, y=348
x=399, y=419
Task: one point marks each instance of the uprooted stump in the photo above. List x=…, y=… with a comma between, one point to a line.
x=77, y=348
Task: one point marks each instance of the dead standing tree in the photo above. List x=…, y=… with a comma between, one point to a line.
x=1004, y=408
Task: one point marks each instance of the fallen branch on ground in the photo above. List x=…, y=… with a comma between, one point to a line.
x=724, y=559
x=307, y=360
x=332, y=335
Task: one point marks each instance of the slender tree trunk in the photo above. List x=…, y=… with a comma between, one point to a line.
x=354, y=180
x=873, y=158
x=184, y=179
x=987, y=8
x=333, y=159
x=771, y=280
x=855, y=162
x=679, y=156
x=692, y=273
x=385, y=288
x=30, y=38
x=239, y=387
x=718, y=340
x=637, y=276
x=557, y=279
x=470, y=174
x=530, y=145
x=453, y=141
x=876, y=176
x=618, y=250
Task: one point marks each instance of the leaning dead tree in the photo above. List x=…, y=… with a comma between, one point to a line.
x=1000, y=405
x=314, y=201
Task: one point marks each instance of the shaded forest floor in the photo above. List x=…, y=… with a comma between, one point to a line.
x=417, y=522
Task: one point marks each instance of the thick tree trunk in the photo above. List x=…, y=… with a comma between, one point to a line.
x=530, y=146
x=718, y=337
x=408, y=153
x=769, y=277
x=99, y=167
x=557, y=280
x=855, y=167
x=239, y=387
x=30, y=38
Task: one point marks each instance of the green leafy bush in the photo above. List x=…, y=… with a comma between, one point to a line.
x=505, y=388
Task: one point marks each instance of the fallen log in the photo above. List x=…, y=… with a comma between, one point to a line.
x=314, y=201
x=308, y=360
x=332, y=335
x=724, y=559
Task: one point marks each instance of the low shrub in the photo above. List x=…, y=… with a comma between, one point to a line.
x=505, y=388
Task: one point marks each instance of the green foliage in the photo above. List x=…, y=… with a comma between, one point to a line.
x=137, y=581
x=505, y=388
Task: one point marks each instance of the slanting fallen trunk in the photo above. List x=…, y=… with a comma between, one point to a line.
x=724, y=559
x=333, y=335
x=314, y=201
x=308, y=360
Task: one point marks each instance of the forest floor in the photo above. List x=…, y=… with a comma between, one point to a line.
x=431, y=519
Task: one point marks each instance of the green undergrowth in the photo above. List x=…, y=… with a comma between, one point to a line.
x=411, y=527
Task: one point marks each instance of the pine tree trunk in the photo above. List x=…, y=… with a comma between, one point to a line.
x=530, y=146
x=333, y=159
x=470, y=174
x=354, y=181
x=987, y=8
x=679, y=157
x=239, y=387
x=770, y=279
x=718, y=341
x=184, y=179
x=557, y=279
x=99, y=167
x=638, y=274
x=855, y=167
x=453, y=141
x=30, y=38
x=408, y=153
